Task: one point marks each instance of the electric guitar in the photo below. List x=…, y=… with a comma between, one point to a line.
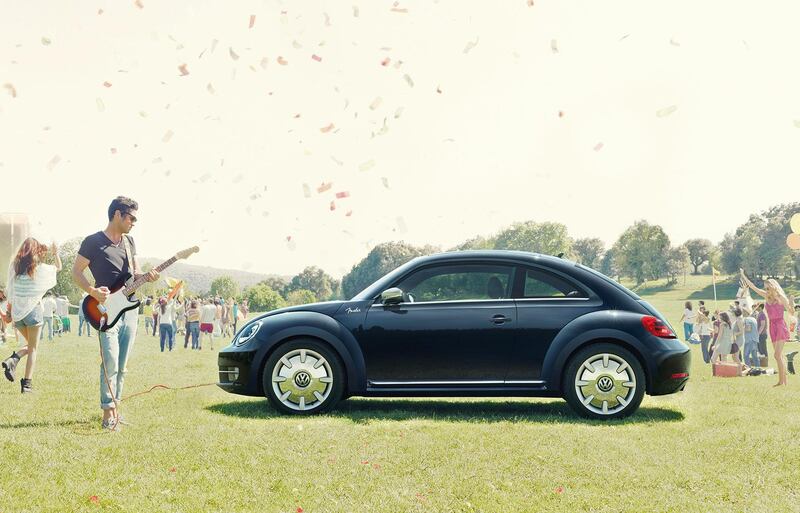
x=103, y=316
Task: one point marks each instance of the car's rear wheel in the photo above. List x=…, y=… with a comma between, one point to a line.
x=303, y=377
x=604, y=381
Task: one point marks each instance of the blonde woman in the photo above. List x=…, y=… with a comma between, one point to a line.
x=776, y=304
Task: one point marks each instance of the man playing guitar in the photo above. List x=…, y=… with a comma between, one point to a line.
x=109, y=254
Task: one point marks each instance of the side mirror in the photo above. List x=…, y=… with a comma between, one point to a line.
x=392, y=296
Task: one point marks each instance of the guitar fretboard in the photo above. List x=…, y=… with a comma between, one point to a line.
x=141, y=281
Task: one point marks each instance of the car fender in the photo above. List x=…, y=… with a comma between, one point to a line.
x=280, y=327
x=623, y=326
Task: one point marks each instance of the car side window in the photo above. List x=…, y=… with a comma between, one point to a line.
x=461, y=282
x=541, y=284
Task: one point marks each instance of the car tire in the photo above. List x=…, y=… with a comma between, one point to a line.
x=604, y=381
x=311, y=383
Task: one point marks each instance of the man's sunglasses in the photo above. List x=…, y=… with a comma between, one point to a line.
x=133, y=217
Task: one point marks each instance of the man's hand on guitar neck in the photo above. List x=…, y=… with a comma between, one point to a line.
x=151, y=275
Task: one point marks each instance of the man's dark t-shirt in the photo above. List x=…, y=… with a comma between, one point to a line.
x=106, y=261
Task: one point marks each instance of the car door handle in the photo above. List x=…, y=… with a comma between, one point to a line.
x=500, y=319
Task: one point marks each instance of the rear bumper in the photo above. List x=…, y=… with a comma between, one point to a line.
x=671, y=372
x=236, y=374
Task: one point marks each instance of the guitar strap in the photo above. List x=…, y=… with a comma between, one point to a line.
x=127, y=245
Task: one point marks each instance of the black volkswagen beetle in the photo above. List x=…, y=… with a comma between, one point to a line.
x=468, y=323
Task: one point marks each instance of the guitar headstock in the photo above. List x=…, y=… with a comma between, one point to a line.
x=186, y=253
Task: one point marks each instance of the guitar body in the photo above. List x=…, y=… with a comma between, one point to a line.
x=103, y=317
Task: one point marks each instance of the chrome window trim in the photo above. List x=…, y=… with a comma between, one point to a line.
x=460, y=301
x=553, y=299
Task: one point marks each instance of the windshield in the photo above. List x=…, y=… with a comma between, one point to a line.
x=609, y=280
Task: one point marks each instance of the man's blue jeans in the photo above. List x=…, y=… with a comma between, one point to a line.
x=116, y=344
x=81, y=321
x=166, y=334
x=49, y=322
x=751, y=354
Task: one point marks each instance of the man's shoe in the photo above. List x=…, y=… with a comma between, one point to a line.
x=26, y=385
x=111, y=425
x=10, y=366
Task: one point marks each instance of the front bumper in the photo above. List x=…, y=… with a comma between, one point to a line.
x=237, y=374
x=671, y=372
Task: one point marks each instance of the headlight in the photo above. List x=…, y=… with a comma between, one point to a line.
x=247, y=333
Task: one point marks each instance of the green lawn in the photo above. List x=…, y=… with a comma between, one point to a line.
x=722, y=445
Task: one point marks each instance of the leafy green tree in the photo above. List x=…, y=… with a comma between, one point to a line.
x=478, y=242
x=641, y=251
x=263, y=299
x=699, y=252
x=382, y=259
x=224, y=287
x=301, y=297
x=608, y=265
x=677, y=263
x=588, y=251
x=314, y=279
x=276, y=283
x=65, y=285
x=546, y=238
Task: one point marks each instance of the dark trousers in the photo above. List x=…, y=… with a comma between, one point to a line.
x=762, y=344
x=704, y=346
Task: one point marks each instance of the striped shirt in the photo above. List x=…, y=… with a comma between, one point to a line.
x=25, y=293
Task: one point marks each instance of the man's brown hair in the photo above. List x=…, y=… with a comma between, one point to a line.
x=123, y=204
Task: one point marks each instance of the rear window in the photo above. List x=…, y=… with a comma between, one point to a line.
x=609, y=280
x=543, y=284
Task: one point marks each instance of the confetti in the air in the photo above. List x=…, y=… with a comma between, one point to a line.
x=296, y=45
x=46, y=41
x=282, y=61
x=11, y=90
x=327, y=129
x=386, y=61
x=324, y=187
x=385, y=181
x=598, y=146
x=530, y=3
x=561, y=113
x=306, y=190
x=349, y=213
x=107, y=84
x=101, y=107
x=554, y=46
x=264, y=62
x=559, y=489
x=213, y=45
x=333, y=205
x=53, y=162
x=366, y=166
x=408, y=80
x=343, y=194
x=401, y=10
x=673, y=42
x=797, y=123
x=398, y=112
x=376, y=103
x=438, y=89
x=94, y=499
x=184, y=71
x=666, y=111
x=252, y=20
x=139, y=4
x=471, y=45
x=210, y=88
x=327, y=19
x=338, y=162
x=113, y=151
x=316, y=58
x=355, y=11
x=233, y=54
x=167, y=136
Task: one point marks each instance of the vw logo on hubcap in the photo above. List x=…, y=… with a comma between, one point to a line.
x=302, y=379
x=605, y=384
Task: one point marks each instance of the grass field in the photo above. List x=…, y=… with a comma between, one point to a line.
x=722, y=445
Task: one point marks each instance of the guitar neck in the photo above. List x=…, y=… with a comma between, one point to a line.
x=141, y=280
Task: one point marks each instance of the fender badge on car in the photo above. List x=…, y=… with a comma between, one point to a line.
x=352, y=310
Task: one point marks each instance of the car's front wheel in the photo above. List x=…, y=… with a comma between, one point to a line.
x=303, y=377
x=604, y=381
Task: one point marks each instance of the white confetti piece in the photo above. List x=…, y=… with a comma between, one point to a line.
x=296, y=45
x=385, y=181
x=598, y=146
x=401, y=225
x=398, y=112
x=46, y=41
x=252, y=20
x=264, y=62
x=203, y=179
x=797, y=123
x=213, y=45
x=673, y=42
x=167, y=136
x=666, y=111
x=355, y=11
x=306, y=190
x=408, y=80
x=327, y=19
x=210, y=88
x=471, y=45
x=376, y=103
x=53, y=162
x=101, y=107
x=554, y=46
x=338, y=162
x=233, y=54
x=238, y=178
x=366, y=166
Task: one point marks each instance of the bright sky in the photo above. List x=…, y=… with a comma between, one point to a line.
x=219, y=157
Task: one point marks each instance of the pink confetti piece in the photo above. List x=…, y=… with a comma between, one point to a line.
x=408, y=80
x=288, y=238
x=252, y=20
x=107, y=84
x=316, y=58
x=46, y=41
x=333, y=205
x=139, y=4
x=210, y=88
x=400, y=10
x=364, y=462
x=561, y=113
x=11, y=89
x=559, y=489
x=327, y=129
x=113, y=151
x=299, y=509
x=173, y=469
x=233, y=54
x=386, y=61
x=184, y=71
x=349, y=213
x=530, y=3
x=376, y=466
x=94, y=499
x=598, y=146
x=375, y=103
x=167, y=136
x=53, y=162
x=324, y=187
x=282, y=61
x=343, y=194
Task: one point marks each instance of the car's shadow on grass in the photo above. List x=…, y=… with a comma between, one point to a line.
x=368, y=410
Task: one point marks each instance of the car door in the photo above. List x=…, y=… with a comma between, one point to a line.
x=453, y=327
x=546, y=302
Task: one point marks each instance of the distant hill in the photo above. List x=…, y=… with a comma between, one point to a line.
x=199, y=277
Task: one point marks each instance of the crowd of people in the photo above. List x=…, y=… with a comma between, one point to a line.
x=742, y=330
x=197, y=319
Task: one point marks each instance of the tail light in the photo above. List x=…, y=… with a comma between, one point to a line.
x=656, y=327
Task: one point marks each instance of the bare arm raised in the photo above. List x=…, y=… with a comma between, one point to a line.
x=750, y=284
